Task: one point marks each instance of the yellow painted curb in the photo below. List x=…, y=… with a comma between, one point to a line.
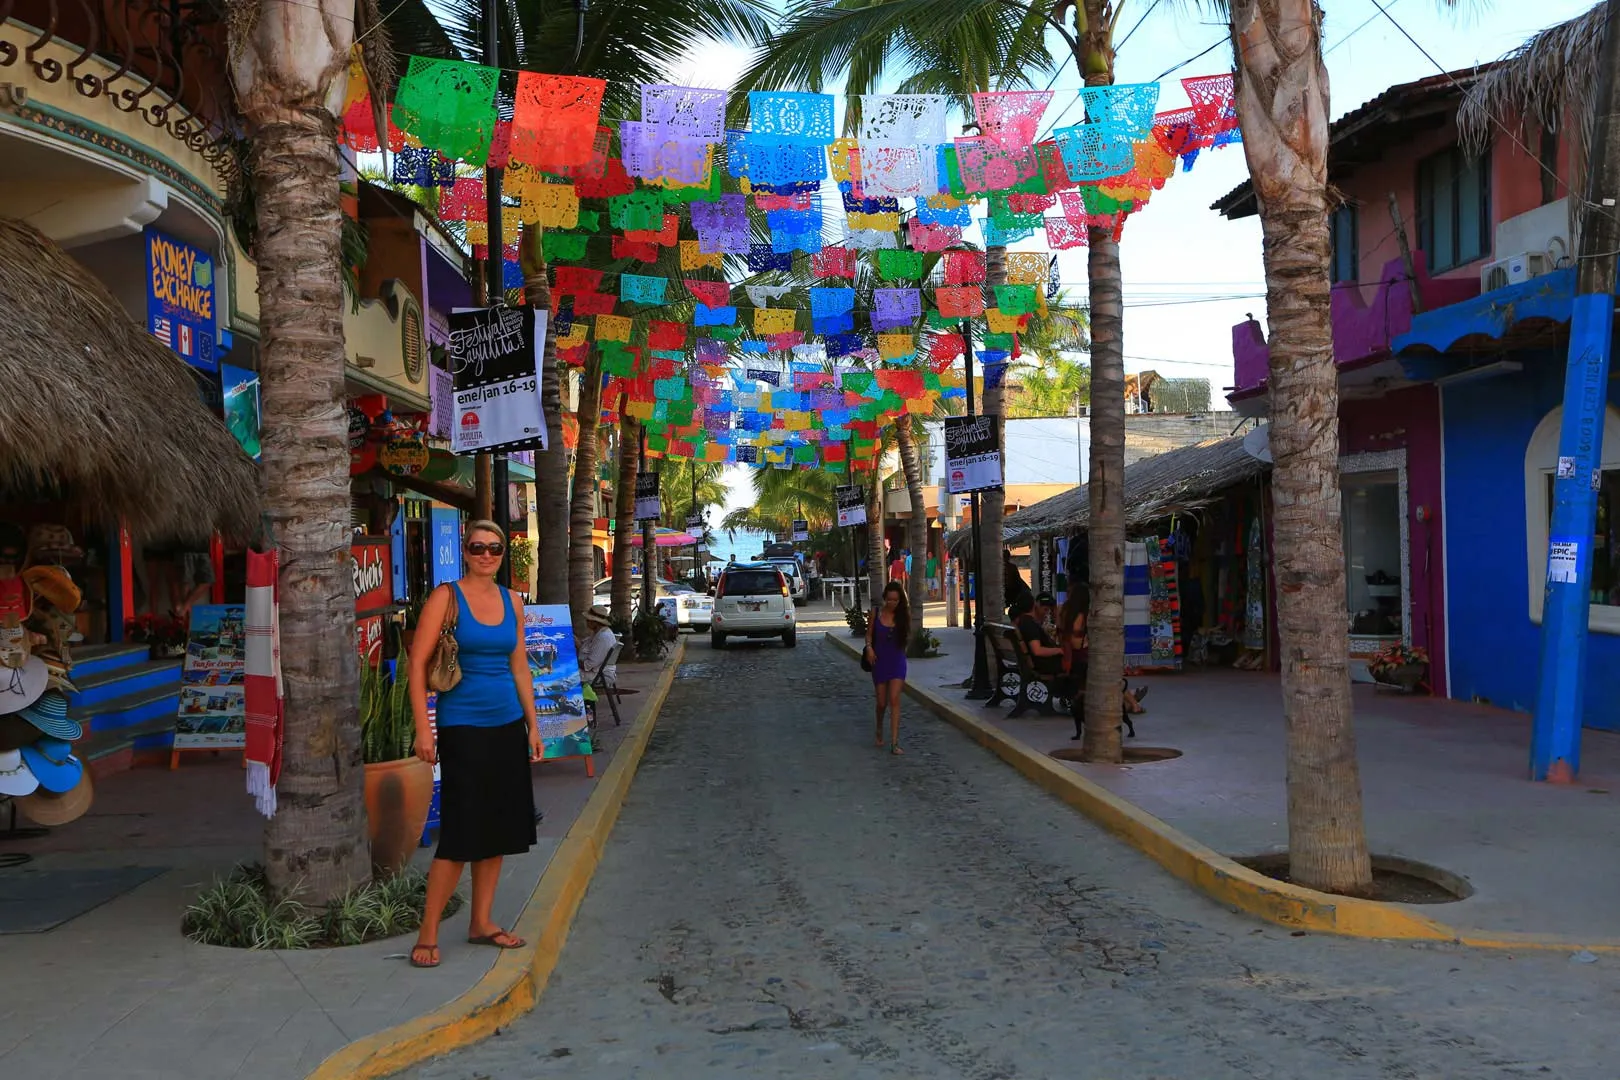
x=1223, y=879
x=514, y=983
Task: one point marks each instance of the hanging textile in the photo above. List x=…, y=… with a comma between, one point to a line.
x=1254, y=607
x=1138, y=637
x=262, y=690
x=1164, y=604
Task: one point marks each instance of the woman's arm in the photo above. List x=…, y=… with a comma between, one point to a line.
x=428, y=625
x=525, y=682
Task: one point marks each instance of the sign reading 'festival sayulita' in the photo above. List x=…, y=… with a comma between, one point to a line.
x=493, y=354
x=972, y=454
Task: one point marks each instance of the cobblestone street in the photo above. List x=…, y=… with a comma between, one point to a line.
x=780, y=899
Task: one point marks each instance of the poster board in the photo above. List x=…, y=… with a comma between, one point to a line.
x=213, y=710
x=180, y=299
x=559, y=696
x=493, y=366
x=851, y=505
x=972, y=454
x=801, y=530
x=373, y=593
x=648, y=505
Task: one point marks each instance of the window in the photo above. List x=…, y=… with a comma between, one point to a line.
x=1346, y=263
x=1540, y=465
x=752, y=583
x=1454, y=208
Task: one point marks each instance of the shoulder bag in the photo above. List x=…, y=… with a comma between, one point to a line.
x=444, y=662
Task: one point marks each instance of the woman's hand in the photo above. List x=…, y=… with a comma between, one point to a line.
x=537, y=745
x=425, y=747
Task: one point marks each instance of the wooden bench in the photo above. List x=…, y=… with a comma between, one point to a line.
x=1006, y=677
x=1046, y=693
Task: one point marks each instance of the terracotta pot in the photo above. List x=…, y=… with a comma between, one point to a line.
x=398, y=794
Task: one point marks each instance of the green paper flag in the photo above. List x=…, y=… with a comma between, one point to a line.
x=1016, y=299
x=566, y=247
x=895, y=264
x=448, y=105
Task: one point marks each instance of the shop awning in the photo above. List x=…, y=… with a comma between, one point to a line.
x=1155, y=487
x=667, y=538
x=1523, y=315
x=93, y=406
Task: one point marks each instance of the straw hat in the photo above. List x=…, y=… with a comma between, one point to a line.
x=15, y=777
x=21, y=687
x=53, y=583
x=50, y=809
x=52, y=543
x=599, y=614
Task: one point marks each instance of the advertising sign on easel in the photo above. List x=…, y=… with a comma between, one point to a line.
x=213, y=710
x=559, y=695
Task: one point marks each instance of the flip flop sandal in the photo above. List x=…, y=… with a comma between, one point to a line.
x=415, y=949
x=512, y=941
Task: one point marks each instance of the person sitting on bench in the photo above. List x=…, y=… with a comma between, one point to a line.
x=1071, y=623
x=1029, y=617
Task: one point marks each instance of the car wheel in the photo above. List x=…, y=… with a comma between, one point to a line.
x=717, y=641
x=789, y=639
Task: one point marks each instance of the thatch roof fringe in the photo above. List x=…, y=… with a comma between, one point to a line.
x=1155, y=487
x=95, y=407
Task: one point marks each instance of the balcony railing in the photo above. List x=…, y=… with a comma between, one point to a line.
x=1362, y=329
x=167, y=61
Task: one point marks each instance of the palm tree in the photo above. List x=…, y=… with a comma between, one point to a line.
x=624, y=511
x=582, y=509
x=782, y=496
x=288, y=64
x=1057, y=387
x=554, y=514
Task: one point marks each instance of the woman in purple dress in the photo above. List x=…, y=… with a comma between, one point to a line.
x=887, y=632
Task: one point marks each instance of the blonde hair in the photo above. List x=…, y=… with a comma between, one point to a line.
x=483, y=525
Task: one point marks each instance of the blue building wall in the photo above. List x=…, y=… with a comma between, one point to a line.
x=1494, y=645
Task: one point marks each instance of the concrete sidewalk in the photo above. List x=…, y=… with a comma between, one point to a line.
x=1443, y=783
x=118, y=992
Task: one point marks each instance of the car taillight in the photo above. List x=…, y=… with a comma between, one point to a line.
x=783, y=580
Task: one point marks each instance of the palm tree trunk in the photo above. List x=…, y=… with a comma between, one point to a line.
x=287, y=65
x=993, y=503
x=582, y=511
x=1282, y=103
x=875, y=569
x=624, y=513
x=916, y=531
x=1105, y=486
x=550, y=465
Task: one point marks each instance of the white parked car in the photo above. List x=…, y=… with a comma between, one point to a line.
x=798, y=584
x=753, y=600
x=690, y=610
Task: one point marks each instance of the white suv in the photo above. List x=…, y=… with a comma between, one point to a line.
x=752, y=600
x=798, y=584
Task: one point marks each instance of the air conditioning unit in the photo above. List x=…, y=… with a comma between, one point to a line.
x=1513, y=269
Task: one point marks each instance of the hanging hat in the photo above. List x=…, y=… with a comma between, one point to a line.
x=599, y=614
x=52, y=761
x=58, y=668
x=16, y=643
x=51, y=544
x=54, y=584
x=50, y=808
x=21, y=687
x=16, y=733
x=50, y=715
x=15, y=777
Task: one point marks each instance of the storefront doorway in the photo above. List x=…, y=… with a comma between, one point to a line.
x=1377, y=590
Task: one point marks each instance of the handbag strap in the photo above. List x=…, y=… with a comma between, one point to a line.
x=447, y=628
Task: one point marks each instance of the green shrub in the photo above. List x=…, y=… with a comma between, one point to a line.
x=238, y=912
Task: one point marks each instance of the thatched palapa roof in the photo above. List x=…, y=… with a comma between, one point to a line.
x=98, y=409
x=1155, y=487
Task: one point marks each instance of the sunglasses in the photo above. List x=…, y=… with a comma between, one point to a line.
x=478, y=547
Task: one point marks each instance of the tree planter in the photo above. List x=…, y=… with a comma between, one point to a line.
x=1403, y=677
x=398, y=794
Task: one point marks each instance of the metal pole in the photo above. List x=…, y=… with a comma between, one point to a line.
x=979, y=686
x=495, y=270
x=696, y=537
x=1555, y=738
x=649, y=548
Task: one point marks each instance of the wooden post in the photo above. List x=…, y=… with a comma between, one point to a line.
x=1406, y=253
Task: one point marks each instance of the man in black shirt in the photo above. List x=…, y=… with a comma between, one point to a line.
x=1029, y=616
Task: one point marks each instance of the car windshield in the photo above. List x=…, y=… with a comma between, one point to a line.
x=751, y=582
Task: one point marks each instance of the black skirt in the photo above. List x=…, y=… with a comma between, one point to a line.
x=486, y=795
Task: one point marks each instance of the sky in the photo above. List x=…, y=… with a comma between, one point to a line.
x=1190, y=274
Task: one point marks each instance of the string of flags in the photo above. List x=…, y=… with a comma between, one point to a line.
x=781, y=375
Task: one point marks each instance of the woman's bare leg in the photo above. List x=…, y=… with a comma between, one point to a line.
x=443, y=876
x=894, y=687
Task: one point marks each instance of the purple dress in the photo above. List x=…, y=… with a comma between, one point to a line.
x=889, y=654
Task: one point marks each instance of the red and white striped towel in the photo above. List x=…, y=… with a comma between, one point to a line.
x=262, y=690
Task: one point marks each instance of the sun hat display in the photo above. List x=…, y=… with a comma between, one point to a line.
x=15, y=776
x=49, y=714
x=59, y=668
x=50, y=808
x=16, y=642
x=21, y=687
x=52, y=544
x=599, y=614
x=52, y=761
x=54, y=584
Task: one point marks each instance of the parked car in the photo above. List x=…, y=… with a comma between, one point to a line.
x=691, y=610
x=798, y=584
x=603, y=590
x=753, y=600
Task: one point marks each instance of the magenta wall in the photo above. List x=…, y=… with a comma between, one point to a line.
x=1410, y=419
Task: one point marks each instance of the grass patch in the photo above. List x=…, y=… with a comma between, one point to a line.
x=238, y=912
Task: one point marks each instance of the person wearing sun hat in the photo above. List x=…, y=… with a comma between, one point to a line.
x=594, y=648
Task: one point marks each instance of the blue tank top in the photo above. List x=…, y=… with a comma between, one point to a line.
x=487, y=694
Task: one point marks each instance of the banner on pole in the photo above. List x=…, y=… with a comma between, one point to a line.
x=972, y=454
x=801, y=529
x=851, y=505
x=493, y=362
x=648, y=505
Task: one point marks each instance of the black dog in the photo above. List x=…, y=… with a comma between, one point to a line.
x=1078, y=711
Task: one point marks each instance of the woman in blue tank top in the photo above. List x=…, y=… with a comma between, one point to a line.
x=487, y=738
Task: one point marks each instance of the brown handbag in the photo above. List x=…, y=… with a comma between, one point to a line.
x=444, y=662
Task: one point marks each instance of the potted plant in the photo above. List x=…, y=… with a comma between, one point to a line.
x=649, y=636
x=856, y=618
x=1400, y=665
x=399, y=785
x=164, y=637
